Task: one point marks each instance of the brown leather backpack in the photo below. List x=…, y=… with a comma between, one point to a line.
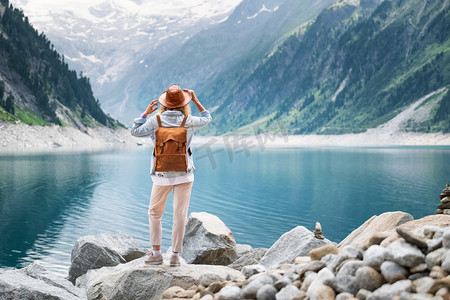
x=170, y=148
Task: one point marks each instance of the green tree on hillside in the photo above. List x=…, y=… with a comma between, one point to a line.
x=9, y=104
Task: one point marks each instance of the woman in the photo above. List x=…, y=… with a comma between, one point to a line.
x=174, y=107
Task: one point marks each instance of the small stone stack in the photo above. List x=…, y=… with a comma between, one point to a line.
x=444, y=206
x=318, y=234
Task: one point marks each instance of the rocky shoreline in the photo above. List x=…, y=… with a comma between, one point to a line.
x=390, y=256
x=22, y=138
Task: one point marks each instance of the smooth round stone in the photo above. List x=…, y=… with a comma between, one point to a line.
x=250, y=290
x=419, y=268
x=208, y=278
x=252, y=270
x=435, y=258
x=266, y=292
x=230, y=292
x=375, y=256
x=369, y=278
x=281, y=283
x=393, y=272
x=323, y=275
x=289, y=292
x=323, y=292
x=347, y=252
x=437, y=272
x=215, y=287
x=344, y=283
x=422, y=285
x=318, y=253
x=388, y=291
x=446, y=261
x=351, y=252
x=344, y=296
x=286, y=267
x=350, y=267
x=307, y=281
x=405, y=254
x=434, y=244
x=302, y=260
x=186, y=294
x=314, y=266
x=442, y=291
x=327, y=259
x=362, y=294
x=445, y=199
x=444, y=205
x=291, y=276
x=446, y=239
x=172, y=291
x=418, y=275
x=211, y=297
x=264, y=278
x=413, y=296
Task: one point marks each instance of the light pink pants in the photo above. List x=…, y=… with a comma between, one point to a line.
x=181, y=196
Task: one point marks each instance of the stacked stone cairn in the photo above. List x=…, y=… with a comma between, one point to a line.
x=413, y=265
x=444, y=206
x=318, y=234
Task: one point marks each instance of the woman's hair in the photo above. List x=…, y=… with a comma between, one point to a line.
x=186, y=110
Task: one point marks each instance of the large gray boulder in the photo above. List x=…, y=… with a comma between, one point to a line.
x=101, y=250
x=135, y=280
x=208, y=241
x=251, y=257
x=297, y=242
x=35, y=282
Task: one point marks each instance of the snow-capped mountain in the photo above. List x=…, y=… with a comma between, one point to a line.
x=132, y=50
x=113, y=40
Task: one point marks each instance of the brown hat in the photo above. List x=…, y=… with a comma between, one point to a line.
x=174, y=97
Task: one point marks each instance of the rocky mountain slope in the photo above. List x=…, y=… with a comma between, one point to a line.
x=355, y=67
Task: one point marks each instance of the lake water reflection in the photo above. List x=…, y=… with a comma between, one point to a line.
x=48, y=201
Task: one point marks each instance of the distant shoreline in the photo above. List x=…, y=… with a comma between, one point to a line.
x=22, y=138
x=367, y=139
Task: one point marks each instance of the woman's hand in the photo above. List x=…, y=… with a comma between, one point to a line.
x=153, y=106
x=194, y=97
x=195, y=100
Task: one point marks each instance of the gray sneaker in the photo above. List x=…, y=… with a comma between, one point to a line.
x=174, y=260
x=154, y=259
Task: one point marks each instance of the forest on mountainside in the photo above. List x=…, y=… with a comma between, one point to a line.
x=36, y=84
x=354, y=67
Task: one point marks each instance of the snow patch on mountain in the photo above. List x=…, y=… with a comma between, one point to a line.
x=263, y=8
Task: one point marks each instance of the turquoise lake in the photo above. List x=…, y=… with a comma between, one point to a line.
x=47, y=201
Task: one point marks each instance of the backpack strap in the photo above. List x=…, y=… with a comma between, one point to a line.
x=184, y=121
x=159, y=120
